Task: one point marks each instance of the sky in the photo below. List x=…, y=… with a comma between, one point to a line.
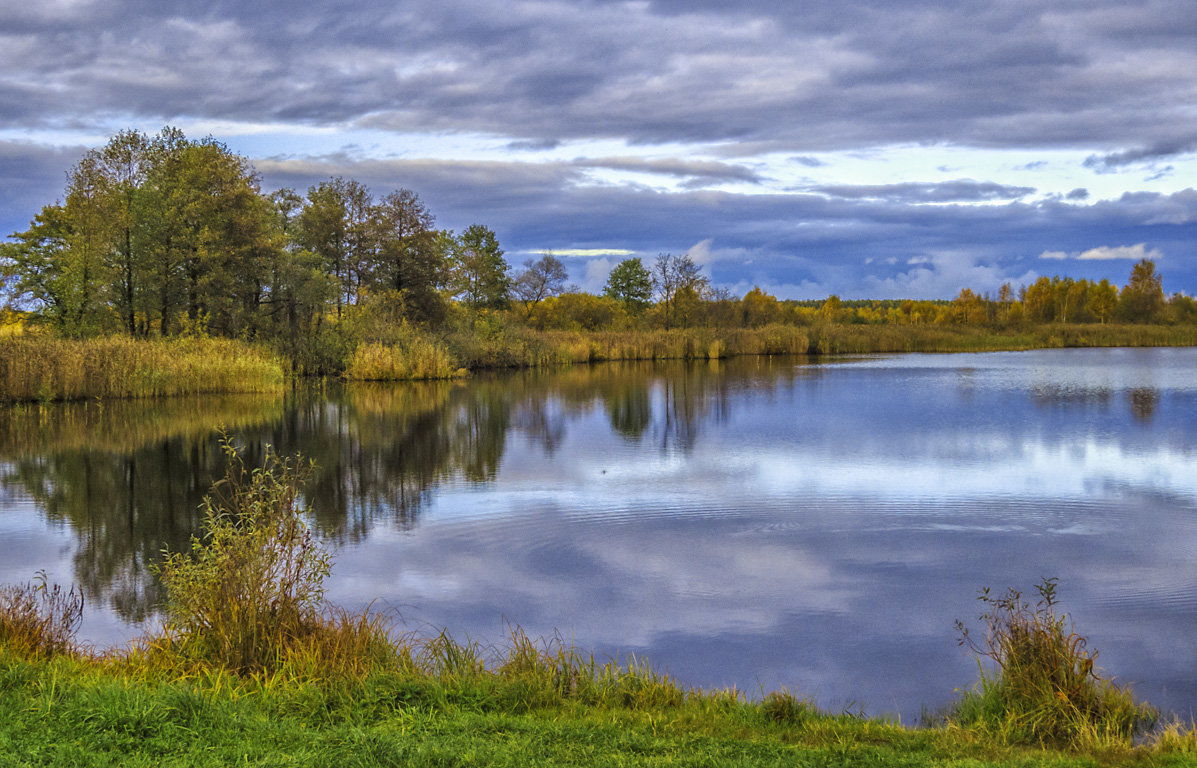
x=866, y=148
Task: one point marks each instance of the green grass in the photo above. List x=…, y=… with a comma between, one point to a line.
x=79, y=711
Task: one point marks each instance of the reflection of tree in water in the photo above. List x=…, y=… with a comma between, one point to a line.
x=1143, y=402
x=377, y=452
x=630, y=408
x=692, y=397
x=128, y=477
x=1057, y=396
x=125, y=508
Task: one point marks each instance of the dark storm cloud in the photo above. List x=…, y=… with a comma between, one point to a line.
x=961, y=190
x=830, y=75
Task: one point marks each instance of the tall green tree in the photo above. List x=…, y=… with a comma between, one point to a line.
x=408, y=257
x=478, y=273
x=122, y=164
x=336, y=226
x=212, y=238
x=1142, y=298
x=631, y=283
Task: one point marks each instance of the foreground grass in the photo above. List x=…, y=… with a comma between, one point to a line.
x=71, y=711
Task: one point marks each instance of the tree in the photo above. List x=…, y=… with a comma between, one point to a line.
x=407, y=255
x=758, y=308
x=478, y=275
x=124, y=163
x=35, y=269
x=832, y=308
x=679, y=285
x=335, y=226
x=212, y=237
x=539, y=280
x=630, y=283
x=1103, y=299
x=1039, y=301
x=1142, y=299
x=969, y=308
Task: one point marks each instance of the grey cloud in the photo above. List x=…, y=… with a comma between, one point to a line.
x=31, y=176
x=534, y=145
x=961, y=190
x=1130, y=156
x=696, y=170
x=832, y=75
x=1079, y=193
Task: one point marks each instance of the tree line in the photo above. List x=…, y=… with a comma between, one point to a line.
x=164, y=235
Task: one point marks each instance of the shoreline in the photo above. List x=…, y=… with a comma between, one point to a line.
x=40, y=368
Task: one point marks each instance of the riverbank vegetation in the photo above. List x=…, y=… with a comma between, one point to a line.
x=250, y=665
x=161, y=238
x=40, y=367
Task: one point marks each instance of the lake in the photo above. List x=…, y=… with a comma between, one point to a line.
x=758, y=522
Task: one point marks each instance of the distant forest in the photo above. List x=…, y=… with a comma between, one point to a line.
x=160, y=236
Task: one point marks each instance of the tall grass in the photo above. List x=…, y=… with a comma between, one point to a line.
x=1046, y=688
x=39, y=619
x=47, y=368
x=420, y=359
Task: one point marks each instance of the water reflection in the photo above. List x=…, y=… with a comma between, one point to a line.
x=128, y=476
x=758, y=522
x=1143, y=402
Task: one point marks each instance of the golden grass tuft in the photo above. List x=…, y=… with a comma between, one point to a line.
x=39, y=619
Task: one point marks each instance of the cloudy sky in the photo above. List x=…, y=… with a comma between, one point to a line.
x=861, y=147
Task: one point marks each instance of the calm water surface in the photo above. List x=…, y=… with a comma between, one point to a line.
x=757, y=523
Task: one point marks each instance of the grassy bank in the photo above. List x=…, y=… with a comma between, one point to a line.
x=68, y=712
x=39, y=367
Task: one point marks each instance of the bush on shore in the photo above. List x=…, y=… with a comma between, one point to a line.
x=1046, y=688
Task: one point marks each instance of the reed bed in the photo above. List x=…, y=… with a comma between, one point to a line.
x=44, y=368
x=418, y=358
x=513, y=346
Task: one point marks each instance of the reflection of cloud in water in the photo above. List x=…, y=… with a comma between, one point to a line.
x=845, y=599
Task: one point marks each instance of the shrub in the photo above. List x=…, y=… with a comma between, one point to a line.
x=1046, y=688
x=254, y=586
x=40, y=619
